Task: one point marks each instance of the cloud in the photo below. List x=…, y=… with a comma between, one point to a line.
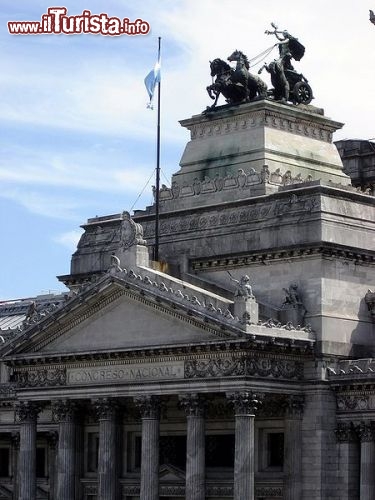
x=69, y=239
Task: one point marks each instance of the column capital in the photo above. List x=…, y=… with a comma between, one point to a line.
x=148, y=406
x=64, y=410
x=105, y=408
x=294, y=404
x=27, y=411
x=345, y=432
x=194, y=405
x=245, y=403
x=365, y=431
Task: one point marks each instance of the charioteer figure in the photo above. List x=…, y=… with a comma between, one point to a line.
x=289, y=85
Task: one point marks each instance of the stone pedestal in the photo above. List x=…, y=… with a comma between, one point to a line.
x=26, y=414
x=195, y=447
x=247, y=310
x=292, y=313
x=107, y=466
x=65, y=413
x=149, y=407
x=367, y=467
x=245, y=405
x=291, y=138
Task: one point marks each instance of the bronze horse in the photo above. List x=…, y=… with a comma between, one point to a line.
x=236, y=85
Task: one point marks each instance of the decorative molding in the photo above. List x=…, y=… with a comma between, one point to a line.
x=245, y=403
x=149, y=406
x=245, y=366
x=39, y=378
x=193, y=404
x=243, y=260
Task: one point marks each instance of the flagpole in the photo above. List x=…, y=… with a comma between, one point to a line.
x=157, y=182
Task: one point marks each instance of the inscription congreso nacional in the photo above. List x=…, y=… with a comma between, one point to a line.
x=240, y=365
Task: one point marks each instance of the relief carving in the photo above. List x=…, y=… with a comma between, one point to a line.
x=40, y=378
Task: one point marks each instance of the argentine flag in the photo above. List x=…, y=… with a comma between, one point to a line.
x=151, y=80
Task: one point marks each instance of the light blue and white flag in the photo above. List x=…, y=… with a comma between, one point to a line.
x=151, y=80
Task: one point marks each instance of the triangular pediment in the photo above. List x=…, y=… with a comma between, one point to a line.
x=117, y=317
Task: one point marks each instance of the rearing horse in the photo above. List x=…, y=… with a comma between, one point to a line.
x=254, y=85
x=234, y=92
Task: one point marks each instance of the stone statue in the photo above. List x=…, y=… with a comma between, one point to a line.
x=236, y=85
x=288, y=83
x=292, y=296
x=243, y=287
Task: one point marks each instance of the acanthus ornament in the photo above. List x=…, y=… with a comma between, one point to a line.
x=27, y=411
x=345, y=432
x=245, y=403
x=193, y=405
x=365, y=431
x=149, y=406
x=64, y=411
x=105, y=408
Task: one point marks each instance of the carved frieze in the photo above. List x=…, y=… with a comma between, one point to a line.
x=246, y=366
x=42, y=377
x=352, y=402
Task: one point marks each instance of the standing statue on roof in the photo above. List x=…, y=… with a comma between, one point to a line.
x=289, y=85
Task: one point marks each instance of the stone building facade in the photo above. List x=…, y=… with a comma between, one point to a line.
x=240, y=366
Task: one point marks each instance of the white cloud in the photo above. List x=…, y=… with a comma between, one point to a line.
x=69, y=239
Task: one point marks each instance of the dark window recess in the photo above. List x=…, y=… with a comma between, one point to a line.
x=220, y=450
x=41, y=462
x=4, y=462
x=92, y=452
x=275, y=446
x=172, y=451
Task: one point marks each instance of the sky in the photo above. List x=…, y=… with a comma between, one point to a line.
x=77, y=139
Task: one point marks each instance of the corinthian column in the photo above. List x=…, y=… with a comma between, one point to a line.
x=106, y=409
x=245, y=405
x=348, y=466
x=195, y=446
x=293, y=447
x=149, y=407
x=64, y=412
x=367, y=479
x=26, y=415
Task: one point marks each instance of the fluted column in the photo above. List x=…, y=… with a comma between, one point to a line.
x=64, y=412
x=367, y=477
x=149, y=407
x=26, y=415
x=293, y=447
x=106, y=409
x=245, y=405
x=348, y=466
x=15, y=440
x=52, y=440
x=195, y=446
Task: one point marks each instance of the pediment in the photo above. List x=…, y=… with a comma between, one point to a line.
x=117, y=317
x=168, y=472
